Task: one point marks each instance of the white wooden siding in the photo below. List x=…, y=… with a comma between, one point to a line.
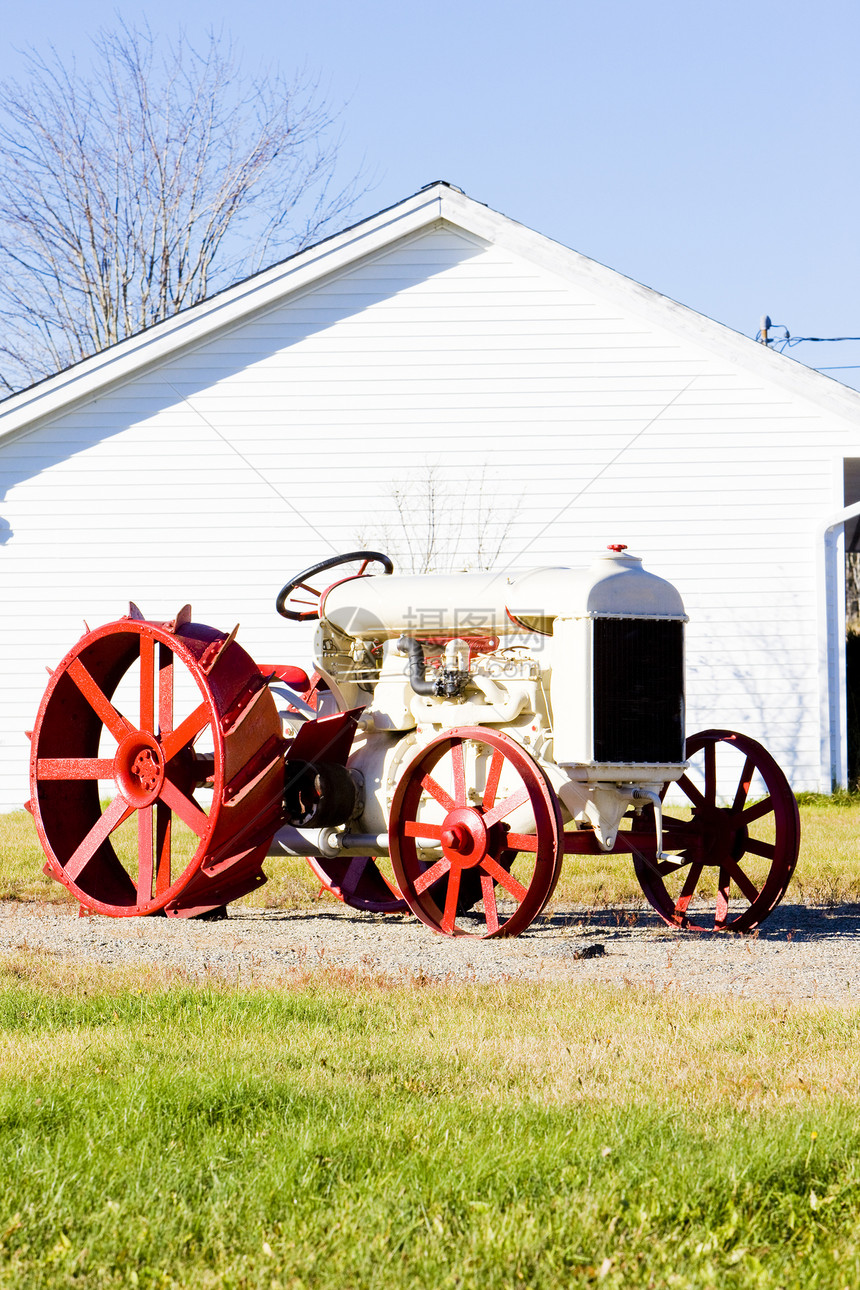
x=218, y=473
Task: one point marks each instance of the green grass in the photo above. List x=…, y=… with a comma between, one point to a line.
x=828, y=871
x=835, y=800
x=342, y=1133
x=21, y=861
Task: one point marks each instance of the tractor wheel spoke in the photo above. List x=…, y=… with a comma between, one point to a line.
x=163, y=844
x=417, y=829
x=116, y=812
x=147, y=684
x=721, y=908
x=98, y=701
x=452, y=895
x=428, y=783
x=504, y=808
x=185, y=732
x=432, y=875
x=507, y=880
x=764, y=849
x=687, y=785
x=354, y=874
x=74, y=768
x=458, y=763
x=491, y=911
x=711, y=774
x=758, y=811
x=145, y=848
x=744, y=784
x=742, y=882
x=165, y=690
x=189, y=812
x=522, y=842
x=495, y=774
x=689, y=887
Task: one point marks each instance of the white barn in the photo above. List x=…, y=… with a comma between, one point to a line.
x=212, y=456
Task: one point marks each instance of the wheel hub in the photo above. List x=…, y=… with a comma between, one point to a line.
x=139, y=768
x=464, y=837
x=724, y=835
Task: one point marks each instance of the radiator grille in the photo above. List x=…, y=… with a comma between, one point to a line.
x=638, y=690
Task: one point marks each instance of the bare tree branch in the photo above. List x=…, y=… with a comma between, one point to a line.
x=441, y=524
x=852, y=589
x=137, y=188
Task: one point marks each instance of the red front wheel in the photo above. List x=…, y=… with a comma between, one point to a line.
x=475, y=835
x=741, y=848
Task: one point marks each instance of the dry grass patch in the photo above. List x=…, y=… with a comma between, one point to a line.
x=553, y=1045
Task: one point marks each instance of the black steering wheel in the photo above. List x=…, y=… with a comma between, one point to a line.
x=300, y=582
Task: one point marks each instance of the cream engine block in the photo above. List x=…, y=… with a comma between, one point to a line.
x=582, y=667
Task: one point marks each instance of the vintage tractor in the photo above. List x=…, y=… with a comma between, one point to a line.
x=461, y=734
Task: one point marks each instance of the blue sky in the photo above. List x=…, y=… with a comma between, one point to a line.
x=707, y=151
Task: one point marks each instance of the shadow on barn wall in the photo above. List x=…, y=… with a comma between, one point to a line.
x=777, y=720
x=176, y=382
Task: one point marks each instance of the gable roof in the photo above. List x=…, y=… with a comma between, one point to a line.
x=438, y=203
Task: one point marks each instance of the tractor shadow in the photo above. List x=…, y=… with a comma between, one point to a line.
x=788, y=922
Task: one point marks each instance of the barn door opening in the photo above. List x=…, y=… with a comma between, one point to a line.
x=851, y=485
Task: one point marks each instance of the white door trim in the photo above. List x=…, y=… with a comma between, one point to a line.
x=831, y=648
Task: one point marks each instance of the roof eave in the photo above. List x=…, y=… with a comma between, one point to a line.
x=438, y=201
x=764, y=362
x=163, y=340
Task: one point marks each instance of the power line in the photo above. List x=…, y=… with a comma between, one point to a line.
x=788, y=341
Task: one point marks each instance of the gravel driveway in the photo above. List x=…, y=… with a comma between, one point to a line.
x=800, y=953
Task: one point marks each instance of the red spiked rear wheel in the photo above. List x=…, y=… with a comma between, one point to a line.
x=475, y=835
x=736, y=859
x=172, y=723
